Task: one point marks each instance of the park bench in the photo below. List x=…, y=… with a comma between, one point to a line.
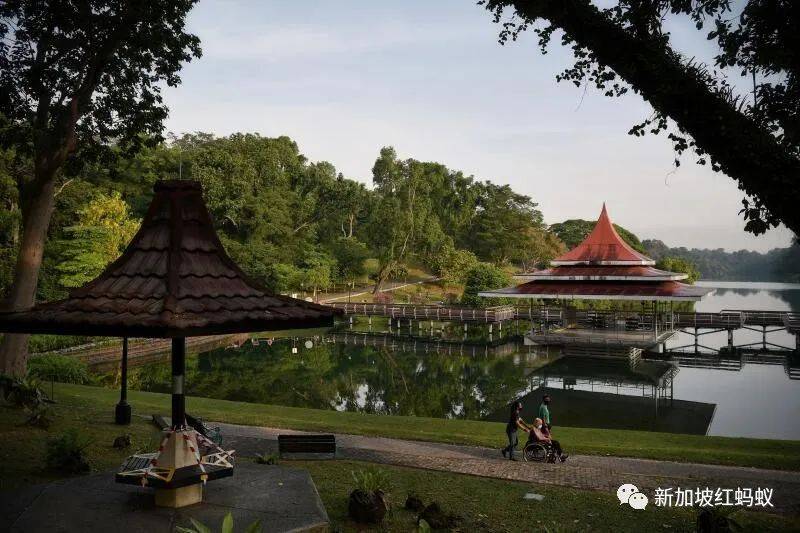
x=318, y=446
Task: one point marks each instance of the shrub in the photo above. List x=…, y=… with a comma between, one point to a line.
x=66, y=453
x=61, y=368
x=23, y=392
x=367, y=503
x=483, y=277
x=226, y=527
x=370, y=479
x=266, y=458
x=47, y=343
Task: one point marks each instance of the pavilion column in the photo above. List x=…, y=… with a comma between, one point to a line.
x=178, y=371
x=122, y=412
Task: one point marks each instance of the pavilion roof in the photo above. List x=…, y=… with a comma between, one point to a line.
x=602, y=273
x=603, y=246
x=601, y=290
x=174, y=280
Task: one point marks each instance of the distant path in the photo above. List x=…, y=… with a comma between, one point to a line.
x=592, y=472
x=390, y=287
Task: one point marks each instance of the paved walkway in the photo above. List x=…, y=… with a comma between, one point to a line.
x=580, y=471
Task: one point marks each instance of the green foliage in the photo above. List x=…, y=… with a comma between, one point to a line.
x=46, y=343
x=677, y=264
x=370, y=480
x=22, y=392
x=575, y=230
x=102, y=232
x=350, y=255
x=453, y=265
x=483, y=277
x=267, y=458
x=225, y=527
x=742, y=128
x=65, y=453
x=780, y=264
x=61, y=368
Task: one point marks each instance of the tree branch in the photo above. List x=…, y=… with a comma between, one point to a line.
x=742, y=149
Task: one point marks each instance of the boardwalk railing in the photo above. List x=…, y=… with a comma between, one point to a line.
x=498, y=313
x=630, y=320
x=724, y=320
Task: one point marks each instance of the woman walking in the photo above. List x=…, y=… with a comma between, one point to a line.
x=515, y=422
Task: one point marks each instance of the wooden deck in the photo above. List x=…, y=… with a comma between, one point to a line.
x=595, y=337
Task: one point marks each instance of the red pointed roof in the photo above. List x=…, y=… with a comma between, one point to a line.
x=603, y=246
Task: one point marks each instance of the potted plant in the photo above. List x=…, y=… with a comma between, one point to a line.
x=368, y=504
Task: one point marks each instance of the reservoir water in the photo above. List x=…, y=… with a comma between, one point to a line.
x=750, y=396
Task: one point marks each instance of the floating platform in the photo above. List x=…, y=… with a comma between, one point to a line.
x=283, y=498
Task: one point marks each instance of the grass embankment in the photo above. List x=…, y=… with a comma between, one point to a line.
x=778, y=454
x=483, y=504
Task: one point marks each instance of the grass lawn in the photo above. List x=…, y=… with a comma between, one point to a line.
x=498, y=505
x=483, y=504
x=692, y=448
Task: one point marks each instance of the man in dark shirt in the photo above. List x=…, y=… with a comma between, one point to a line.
x=515, y=422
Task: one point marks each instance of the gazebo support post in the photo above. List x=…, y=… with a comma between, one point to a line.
x=179, y=448
x=122, y=412
x=178, y=371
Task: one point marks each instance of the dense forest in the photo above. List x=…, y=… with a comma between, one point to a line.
x=297, y=225
x=779, y=264
x=290, y=223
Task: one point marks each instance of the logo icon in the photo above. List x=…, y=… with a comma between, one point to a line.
x=629, y=494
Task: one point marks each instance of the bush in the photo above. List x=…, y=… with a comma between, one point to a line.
x=66, y=453
x=483, y=277
x=61, y=368
x=370, y=479
x=225, y=527
x=367, y=503
x=23, y=393
x=49, y=343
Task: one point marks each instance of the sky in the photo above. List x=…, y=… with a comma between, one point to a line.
x=345, y=78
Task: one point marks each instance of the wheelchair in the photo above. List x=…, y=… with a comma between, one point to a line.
x=538, y=452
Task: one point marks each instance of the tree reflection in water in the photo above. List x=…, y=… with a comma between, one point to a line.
x=364, y=379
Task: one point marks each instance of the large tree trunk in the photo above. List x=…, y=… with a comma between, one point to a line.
x=36, y=216
x=744, y=151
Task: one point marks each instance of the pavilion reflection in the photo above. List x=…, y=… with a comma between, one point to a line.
x=613, y=393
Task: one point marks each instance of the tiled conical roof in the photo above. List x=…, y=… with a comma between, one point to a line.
x=173, y=280
x=603, y=246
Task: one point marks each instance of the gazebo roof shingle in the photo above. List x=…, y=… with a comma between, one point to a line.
x=173, y=280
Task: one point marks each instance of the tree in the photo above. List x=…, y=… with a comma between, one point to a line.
x=73, y=77
x=350, y=255
x=453, y=265
x=483, y=277
x=677, y=264
x=754, y=141
x=403, y=215
x=103, y=231
x=573, y=231
x=501, y=230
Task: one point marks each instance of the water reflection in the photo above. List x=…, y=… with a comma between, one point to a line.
x=442, y=371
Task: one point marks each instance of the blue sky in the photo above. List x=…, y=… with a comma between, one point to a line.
x=345, y=78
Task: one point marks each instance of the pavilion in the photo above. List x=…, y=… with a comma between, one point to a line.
x=174, y=281
x=604, y=267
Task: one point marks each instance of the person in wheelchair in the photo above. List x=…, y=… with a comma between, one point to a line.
x=539, y=438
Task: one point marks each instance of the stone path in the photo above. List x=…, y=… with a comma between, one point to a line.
x=580, y=471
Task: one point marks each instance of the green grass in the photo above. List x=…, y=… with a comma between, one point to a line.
x=483, y=504
x=778, y=454
x=499, y=505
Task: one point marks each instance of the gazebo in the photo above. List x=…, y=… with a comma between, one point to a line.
x=605, y=267
x=174, y=281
